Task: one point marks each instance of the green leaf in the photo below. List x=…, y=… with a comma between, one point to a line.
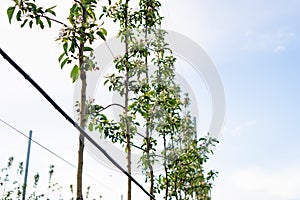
x=73, y=8
x=42, y=25
x=23, y=24
x=106, y=81
x=10, y=13
x=30, y=24
x=102, y=13
x=61, y=56
x=75, y=73
x=64, y=62
x=92, y=14
x=50, y=10
x=80, y=39
x=72, y=47
x=91, y=127
x=65, y=46
x=103, y=31
x=39, y=10
x=101, y=34
x=88, y=49
x=38, y=20
x=49, y=22
x=19, y=16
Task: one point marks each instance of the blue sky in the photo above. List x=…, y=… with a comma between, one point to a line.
x=257, y=57
x=255, y=46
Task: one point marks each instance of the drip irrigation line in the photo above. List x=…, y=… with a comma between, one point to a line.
x=69, y=119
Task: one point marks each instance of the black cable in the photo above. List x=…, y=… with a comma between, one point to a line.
x=68, y=118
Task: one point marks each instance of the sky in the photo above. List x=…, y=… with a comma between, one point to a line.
x=255, y=46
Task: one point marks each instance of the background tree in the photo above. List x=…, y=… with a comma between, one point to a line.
x=137, y=29
x=187, y=179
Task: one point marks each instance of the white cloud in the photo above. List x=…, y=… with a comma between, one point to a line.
x=240, y=128
x=275, y=41
x=277, y=184
x=259, y=183
x=279, y=49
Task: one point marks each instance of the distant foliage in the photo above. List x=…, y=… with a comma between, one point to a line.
x=12, y=179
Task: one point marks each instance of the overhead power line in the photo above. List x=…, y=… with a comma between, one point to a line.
x=68, y=118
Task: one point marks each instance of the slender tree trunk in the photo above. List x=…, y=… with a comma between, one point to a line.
x=128, y=147
x=165, y=165
x=81, y=138
x=148, y=148
x=82, y=117
x=148, y=121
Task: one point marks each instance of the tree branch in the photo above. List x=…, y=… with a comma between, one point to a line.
x=54, y=20
x=113, y=104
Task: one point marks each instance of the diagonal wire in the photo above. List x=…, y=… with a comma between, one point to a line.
x=39, y=144
x=69, y=119
x=50, y=151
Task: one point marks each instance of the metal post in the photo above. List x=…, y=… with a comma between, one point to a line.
x=27, y=165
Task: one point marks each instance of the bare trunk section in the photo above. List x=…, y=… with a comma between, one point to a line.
x=128, y=147
x=148, y=148
x=81, y=138
x=165, y=166
x=82, y=117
